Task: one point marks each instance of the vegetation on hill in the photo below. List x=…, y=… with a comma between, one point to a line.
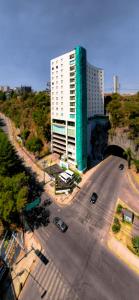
x=30, y=112
x=17, y=185
x=13, y=181
x=124, y=112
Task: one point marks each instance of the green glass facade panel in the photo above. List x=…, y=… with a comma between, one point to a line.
x=72, y=116
x=81, y=108
x=59, y=129
x=71, y=132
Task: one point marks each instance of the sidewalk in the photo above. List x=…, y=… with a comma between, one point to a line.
x=24, y=263
x=124, y=254
x=132, y=180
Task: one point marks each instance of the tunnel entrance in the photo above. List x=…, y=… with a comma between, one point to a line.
x=114, y=150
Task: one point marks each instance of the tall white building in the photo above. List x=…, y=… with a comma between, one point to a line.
x=116, y=84
x=77, y=94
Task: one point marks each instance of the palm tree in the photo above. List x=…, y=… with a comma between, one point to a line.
x=128, y=154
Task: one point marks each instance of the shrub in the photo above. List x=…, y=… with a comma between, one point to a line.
x=119, y=209
x=135, y=243
x=116, y=227
x=116, y=221
x=34, y=144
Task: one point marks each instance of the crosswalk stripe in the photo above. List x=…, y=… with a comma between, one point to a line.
x=60, y=292
x=40, y=277
x=45, y=231
x=51, y=284
x=57, y=287
x=49, y=276
x=51, y=279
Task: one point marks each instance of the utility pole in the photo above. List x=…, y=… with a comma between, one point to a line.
x=44, y=290
x=44, y=166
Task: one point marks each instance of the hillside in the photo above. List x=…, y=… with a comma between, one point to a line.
x=30, y=112
x=124, y=113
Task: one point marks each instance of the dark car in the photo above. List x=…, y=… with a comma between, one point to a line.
x=42, y=257
x=121, y=166
x=60, y=224
x=94, y=198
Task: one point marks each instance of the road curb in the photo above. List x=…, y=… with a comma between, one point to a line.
x=131, y=182
x=122, y=258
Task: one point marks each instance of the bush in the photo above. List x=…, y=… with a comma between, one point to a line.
x=116, y=227
x=25, y=133
x=116, y=221
x=34, y=144
x=136, y=163
x=119, y=209
x=135, y=243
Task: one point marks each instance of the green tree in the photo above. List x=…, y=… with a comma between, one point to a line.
x=25, y=133
x=34, y=144
x=30, y=112
x=136, y=163
x=135, y=243
x=116, y=227
x=9, y=161
x=13, y=195
x=2, y=96
x=119, y=208
x=128, y=154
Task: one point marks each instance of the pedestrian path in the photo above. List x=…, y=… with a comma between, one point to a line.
x=52, y=280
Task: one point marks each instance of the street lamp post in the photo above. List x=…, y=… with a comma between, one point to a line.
x=44, y=290
x=44, y=165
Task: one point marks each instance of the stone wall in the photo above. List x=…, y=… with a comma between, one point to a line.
x=121, y=139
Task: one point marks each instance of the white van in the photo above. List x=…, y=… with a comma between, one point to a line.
x=70, y=173
x=65, y=177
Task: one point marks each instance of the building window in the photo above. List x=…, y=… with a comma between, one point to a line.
x=72, y=74
x=56, y=67
x=72, y=68
x=71, y=56
x=72, y=109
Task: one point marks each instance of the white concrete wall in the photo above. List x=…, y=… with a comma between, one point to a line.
x=60, y=86
x=95, y=90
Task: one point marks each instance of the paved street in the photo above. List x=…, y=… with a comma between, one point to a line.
x=80, y=266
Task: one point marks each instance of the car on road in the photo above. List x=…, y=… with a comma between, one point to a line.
x=121, y=166
x=42, y=257
x=94, y=198
x=60, y=224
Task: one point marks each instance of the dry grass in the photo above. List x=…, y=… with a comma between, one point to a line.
x=134, y=174
x=125, y=233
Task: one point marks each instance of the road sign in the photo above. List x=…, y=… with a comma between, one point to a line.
x=33, y=204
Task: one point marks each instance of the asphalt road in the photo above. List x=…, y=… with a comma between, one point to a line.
x=80, y=265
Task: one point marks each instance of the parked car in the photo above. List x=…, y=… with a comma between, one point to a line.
x=94, y=198
x=60, y=224
x=3, y=269
x=47, y=202
x=121, y=166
